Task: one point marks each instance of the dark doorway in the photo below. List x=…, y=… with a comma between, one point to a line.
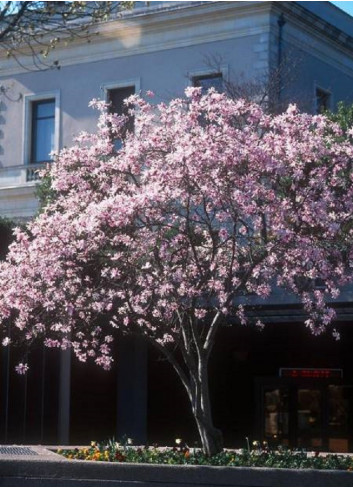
x=313, y=414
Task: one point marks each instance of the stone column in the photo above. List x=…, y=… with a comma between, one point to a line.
x=64, y=397
x=132, y=390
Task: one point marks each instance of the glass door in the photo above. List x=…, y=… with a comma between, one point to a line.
x=305, y=414
x=309, y=416
x=276, y=405
x=339, y=416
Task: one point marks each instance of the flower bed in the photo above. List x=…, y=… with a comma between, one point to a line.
x=181, y=454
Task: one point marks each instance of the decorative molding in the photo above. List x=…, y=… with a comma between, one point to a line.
x=19, y=201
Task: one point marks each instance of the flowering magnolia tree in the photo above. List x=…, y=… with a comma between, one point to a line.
x=210, y=199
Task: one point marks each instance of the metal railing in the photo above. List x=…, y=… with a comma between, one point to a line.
x=12, y=176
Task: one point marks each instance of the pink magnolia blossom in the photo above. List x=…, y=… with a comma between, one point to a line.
x=206, y=192
x=210, y=201
x=21, y=368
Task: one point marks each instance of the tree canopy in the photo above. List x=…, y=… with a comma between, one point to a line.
x=35, y=29
x=207, y=204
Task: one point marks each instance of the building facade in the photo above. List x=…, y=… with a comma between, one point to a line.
x=281, y=385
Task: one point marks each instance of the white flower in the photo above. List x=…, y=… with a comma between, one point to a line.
x=21, y=368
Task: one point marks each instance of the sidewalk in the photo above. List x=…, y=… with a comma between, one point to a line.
x=39, y=466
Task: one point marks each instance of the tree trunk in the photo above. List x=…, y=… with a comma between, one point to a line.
x=211, y=437
x=195, y=380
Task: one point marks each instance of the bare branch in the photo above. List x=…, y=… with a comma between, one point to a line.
x=34, y=29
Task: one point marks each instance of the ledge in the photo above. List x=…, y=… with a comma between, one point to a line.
x=55, y=470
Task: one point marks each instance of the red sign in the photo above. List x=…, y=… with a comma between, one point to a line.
x=311, y=373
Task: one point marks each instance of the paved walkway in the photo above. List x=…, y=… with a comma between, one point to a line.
x=39, y=466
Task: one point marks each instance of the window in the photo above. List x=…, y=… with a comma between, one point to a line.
x=323, y=100
x=115, y=96
x=207, y=81
x=43, y=130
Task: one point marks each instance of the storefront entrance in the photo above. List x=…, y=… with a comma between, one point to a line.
x=306, y=408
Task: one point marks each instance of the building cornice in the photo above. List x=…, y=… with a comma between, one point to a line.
x=18, y=190
x=181, y=24
x=161, y=29
x=316, y=25
x=317, y=36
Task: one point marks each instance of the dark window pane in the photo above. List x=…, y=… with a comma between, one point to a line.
x=116, y=98
x=208, y=81
x=43, y=129
x=323, y=99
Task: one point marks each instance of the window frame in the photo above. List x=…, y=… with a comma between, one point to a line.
x=29, y=102
x=35, y=132
x=197, y=80
x=222, y=70
x=110, y=86
x=132, y=82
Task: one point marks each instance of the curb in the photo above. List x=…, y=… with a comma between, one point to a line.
x=56, y=468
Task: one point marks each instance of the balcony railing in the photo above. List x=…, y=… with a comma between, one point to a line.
x=13, y=176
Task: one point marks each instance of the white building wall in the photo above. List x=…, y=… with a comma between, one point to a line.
x=160, y=48
x=159, y=51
